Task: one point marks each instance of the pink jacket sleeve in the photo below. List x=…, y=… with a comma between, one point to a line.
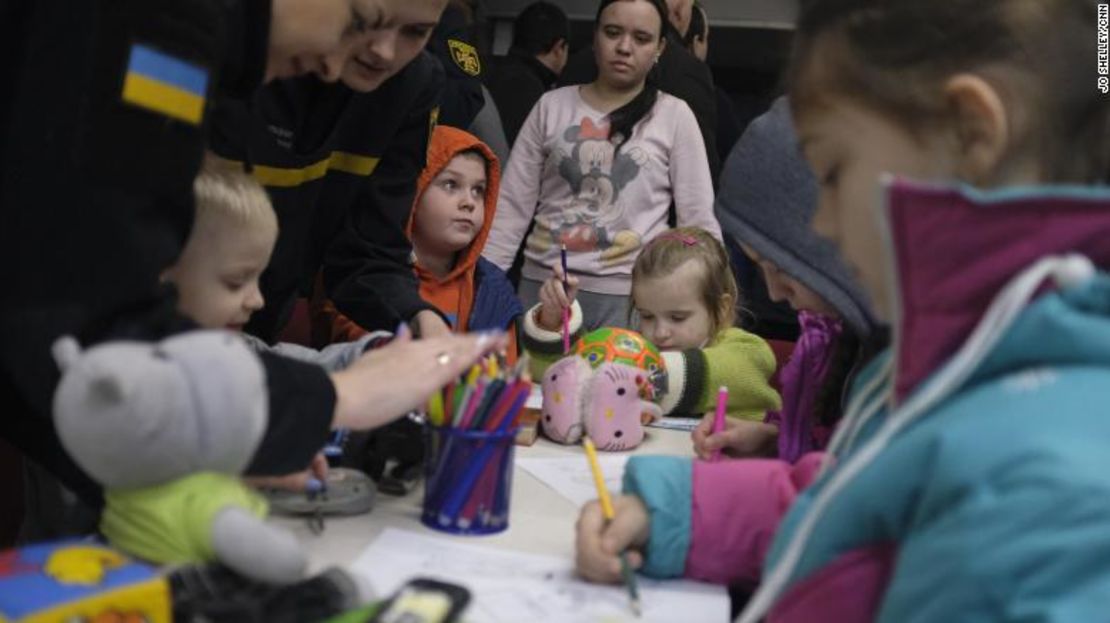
x=736, y=508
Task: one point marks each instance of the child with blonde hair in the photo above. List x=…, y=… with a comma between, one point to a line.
x=216, y=275
x=685, y=299
x=967, y=479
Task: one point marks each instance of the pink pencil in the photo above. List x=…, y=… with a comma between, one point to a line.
x=566, y=310
x=719, y=417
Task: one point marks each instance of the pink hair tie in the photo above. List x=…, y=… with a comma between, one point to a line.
x=685, y=239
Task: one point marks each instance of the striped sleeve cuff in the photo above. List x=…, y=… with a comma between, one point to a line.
x=686, y=377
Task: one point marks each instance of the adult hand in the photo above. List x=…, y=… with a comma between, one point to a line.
x=739, y=439
x=388, y=382
x=427, y=323
x=554, y=298
x=598, y=543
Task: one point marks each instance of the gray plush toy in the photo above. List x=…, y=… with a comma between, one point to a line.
x=167, y=428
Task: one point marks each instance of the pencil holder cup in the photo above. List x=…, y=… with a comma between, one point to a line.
x=468, y=479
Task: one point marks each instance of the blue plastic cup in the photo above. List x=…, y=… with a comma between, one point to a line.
x=468, y=476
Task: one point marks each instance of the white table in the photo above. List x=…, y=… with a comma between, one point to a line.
x=540, y=520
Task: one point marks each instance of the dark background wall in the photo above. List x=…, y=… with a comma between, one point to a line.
x=749, y=42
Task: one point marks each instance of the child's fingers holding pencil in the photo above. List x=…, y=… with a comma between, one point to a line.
x=590, y=560
x=598, y=542
x=630, y=526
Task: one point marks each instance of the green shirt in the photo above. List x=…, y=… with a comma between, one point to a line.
x=172, y=522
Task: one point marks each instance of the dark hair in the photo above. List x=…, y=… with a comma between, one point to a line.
x=699, y=26
x=624, y=119
x=894, y=55
x=539, y=27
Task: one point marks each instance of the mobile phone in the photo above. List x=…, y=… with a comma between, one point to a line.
x=423, y=600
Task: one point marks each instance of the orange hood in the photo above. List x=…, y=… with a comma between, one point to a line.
x=446, y=143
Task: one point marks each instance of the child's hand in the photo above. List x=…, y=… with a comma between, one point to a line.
x=740, y=438
x=554, y=299
x=598, y=543
x=297, y=482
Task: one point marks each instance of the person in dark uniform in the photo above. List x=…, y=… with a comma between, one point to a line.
x=728, y=120
x=340, y=162
x=678, y=72
x=536, y=58
x=103, y=133
x=453, y=44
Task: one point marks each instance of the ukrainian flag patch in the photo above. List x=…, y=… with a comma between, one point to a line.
x=164, y=84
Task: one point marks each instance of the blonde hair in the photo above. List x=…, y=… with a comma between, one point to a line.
x=673, y=248
x=223, y=190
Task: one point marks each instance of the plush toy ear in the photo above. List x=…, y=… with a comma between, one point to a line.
x=66, y=350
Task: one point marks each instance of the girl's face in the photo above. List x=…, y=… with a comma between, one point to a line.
x=849, y=146
x=672, y=314
x=783, y=287
x=627, y=43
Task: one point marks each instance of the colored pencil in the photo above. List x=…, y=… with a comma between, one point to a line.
x=566, y=290
x=607, y=511
x=719, y=417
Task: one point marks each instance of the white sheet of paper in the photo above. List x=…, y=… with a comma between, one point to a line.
x=676, y=423
x=513, y=586
x=570, y=476
x=535, y=398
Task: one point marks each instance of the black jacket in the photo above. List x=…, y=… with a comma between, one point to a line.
x=679, y=73
x=517, y=82
x=341, y=169
x=454, y=46
x=96, y=200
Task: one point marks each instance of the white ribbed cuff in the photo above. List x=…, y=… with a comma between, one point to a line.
x=539, y=334
x=676, y=380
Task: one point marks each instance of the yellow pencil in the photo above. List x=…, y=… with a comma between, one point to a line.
x=435, y=408
x=607, y=511
x=472, y=376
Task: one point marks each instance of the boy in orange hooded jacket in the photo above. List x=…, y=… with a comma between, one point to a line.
x=456, y=196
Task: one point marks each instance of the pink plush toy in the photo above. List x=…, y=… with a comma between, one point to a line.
x=600, y=393
x=562, y=405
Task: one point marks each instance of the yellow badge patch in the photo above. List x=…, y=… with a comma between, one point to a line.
x=465, y=56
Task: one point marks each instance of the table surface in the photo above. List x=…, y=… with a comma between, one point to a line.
x=541, y=521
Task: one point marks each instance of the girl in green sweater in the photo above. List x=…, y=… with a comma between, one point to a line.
x=685, y=299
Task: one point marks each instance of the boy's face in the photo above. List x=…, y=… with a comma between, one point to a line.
x=217, y=273
x=672, y=313
x=849, y=147
x=452, y=211
x=392, y=45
